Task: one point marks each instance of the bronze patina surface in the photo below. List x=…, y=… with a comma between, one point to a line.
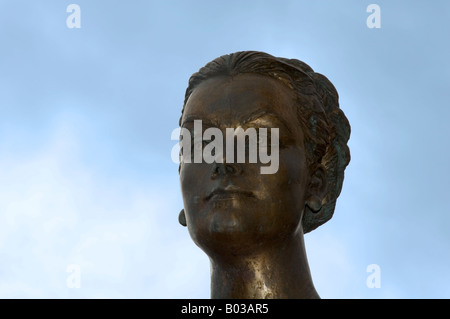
x=251, y=225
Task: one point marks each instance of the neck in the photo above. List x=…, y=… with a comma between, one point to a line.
x=279, y=271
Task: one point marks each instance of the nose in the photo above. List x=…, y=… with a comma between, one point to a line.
x=223, y=169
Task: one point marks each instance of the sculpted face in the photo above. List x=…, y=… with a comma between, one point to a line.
x=231, y=208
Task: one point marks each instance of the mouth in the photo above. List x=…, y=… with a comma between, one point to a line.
x=230, y=192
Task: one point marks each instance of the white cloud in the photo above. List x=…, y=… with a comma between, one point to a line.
x=55, y=211
x=332, y=268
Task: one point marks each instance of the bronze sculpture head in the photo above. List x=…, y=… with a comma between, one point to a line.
x=250, y=224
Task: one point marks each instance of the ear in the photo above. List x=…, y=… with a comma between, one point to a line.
x=182, y=218
x=317, y=188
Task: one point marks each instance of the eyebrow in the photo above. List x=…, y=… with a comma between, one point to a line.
x=192, y=118
x=262, y=113
x=252, y=117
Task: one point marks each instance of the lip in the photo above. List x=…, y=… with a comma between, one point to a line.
x=229, y=192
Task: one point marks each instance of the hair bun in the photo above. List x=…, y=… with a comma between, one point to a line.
x=337, y=154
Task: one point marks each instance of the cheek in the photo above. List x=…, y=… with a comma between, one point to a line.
x=288, y=185
x=194, y=188
x=294, y=164
x=191, y=183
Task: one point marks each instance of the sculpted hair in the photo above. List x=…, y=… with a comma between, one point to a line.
x=326, y=128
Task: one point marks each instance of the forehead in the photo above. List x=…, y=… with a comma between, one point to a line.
x=232, y=101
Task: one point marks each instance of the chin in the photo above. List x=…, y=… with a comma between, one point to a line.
x=234, y=238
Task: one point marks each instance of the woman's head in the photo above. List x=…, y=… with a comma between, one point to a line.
x=306, y=101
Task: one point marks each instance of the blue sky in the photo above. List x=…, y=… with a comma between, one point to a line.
x=86, y=117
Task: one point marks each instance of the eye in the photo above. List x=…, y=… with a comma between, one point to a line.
x=263, y=141
x=199, y=145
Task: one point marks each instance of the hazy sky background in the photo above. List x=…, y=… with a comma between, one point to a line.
x=86, y=116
